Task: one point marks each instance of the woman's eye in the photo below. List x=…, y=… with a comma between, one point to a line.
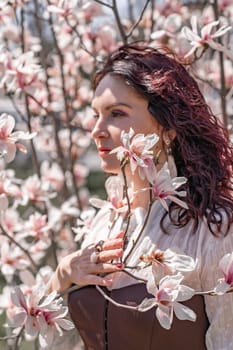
x=117, y=113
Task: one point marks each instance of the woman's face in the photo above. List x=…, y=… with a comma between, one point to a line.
x=118, y=107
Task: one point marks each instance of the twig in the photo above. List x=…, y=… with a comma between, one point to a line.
x=139, y=19
x=152, y=16
x=103, y=3
x=142, y=229
x=82, y=44
x=18, y=245
x=127, y=200
x=118, y=21
x=18, y=111
x=113, y=301
x=60, y=156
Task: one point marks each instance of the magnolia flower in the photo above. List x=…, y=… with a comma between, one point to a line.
x=164, y=187
x=166, y=298
x=90, y=10
x=136, y=149
x=206, y=36
x=6, y=302
x=29, y=280
x=63, y=8
x=12, y=259
x=226, y=266
x=114, y=186
x=35, y=190
x=8, y=138
x=38, y=227
x=21, y=71
x=52, y=176
x=168, y=262
x=40, y=314
x=84, y=223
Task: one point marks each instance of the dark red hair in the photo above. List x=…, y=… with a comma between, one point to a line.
x=201, y=148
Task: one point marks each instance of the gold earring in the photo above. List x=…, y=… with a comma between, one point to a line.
x=170, y=159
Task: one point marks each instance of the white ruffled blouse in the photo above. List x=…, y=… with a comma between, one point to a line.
x=205, y=248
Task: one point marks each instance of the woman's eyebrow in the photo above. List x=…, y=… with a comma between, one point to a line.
x=112, y=105
x=118, y=104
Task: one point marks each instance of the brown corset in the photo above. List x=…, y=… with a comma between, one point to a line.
x=104, y=326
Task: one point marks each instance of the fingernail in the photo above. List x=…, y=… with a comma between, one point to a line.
x=119, y=265
x=108, y=281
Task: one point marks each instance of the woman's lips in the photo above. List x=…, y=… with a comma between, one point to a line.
x=103, y=151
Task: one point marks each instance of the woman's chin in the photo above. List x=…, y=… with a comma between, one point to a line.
x=110, y=167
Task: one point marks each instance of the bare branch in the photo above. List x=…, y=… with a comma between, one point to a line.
x=118, y=21
x=5, y=233
x=103, y=3
x=139, y=19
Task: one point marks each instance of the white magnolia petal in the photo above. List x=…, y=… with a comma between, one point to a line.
x=222, y=287
x=164, y=316
x=65, y=324
x=178, y=201
x=146, y=304
x=206, y=30
x=98, y=203
x=183, y=312
x=185, y=293
x=151, y=286
x=226, y=262
x=19, y=319
x=11, y=151
x=31, y=326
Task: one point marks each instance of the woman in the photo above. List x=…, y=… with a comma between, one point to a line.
x=150, y=92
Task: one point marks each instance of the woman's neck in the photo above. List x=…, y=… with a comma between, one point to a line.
x=141, y=194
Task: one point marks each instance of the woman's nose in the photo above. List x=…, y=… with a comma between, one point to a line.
x=99, y=130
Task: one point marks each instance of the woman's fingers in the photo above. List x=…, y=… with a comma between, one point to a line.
x=107, y=255
x=108, y=268
x=98, y=280
x=114, y=242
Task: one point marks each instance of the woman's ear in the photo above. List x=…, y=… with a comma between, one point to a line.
x=168, y=136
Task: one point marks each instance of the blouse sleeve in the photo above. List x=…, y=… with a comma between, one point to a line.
x=219, y=309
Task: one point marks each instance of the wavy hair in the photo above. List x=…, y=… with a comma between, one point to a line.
x=201, y=148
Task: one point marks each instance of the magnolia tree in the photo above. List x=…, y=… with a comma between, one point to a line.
x=49, y=51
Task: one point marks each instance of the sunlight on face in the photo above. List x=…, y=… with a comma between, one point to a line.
x=118, y=107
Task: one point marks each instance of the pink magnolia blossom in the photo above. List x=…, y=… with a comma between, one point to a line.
x=206, y=36
x=80, y=173
x=226, y=266
x=90, y=10
x=38, y=250
x=106, y=39
x=8, y=139
x=62, y=8
x=34, y=190
x=12, y=259
x=52, y=176
x=171, y=26
x=166, y=300
x=21, y=72
x=29, y=280
x=164, y=187
x=84, y=223
x=38, y=227
x=6, y=302
x=40, y=314
x=115, y=191
x=168, y=262
x=136, y=149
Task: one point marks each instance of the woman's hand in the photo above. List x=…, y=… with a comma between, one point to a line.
x=79, y=267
